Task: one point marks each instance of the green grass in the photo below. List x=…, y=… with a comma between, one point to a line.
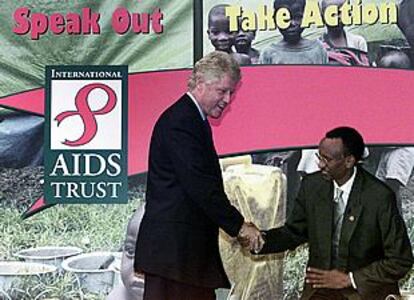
x=90, y=227
x=57, y=287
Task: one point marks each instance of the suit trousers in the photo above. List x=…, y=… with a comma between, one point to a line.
x=331, y=294
x=159, y=288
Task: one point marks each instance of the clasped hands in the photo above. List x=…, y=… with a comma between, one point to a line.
x=250, y=237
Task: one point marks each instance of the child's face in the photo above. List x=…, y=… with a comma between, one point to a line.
x=219, y=33
x=293, y=33
x=243, y=40
x=131, y=281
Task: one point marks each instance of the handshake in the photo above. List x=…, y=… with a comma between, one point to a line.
x=250, y=237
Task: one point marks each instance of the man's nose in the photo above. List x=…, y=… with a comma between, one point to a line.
x=227, y=97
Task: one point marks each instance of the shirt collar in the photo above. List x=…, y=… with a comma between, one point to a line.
x=347, y=186
x=203, y=116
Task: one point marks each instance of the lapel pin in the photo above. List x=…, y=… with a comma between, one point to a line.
x=351, y=218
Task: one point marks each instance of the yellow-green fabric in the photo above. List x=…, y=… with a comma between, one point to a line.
x=22, y=59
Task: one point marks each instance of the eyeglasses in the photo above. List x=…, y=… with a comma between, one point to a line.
x=325, y=160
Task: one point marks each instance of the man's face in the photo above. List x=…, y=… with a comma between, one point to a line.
x=292, y=34
x=333, y=163
x=215, y=95
x=219, y=33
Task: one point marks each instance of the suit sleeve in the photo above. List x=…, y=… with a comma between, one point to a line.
x=294, y=232
x=398, y=257
x=192, y=164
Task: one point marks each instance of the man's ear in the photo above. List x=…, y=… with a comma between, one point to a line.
x=200, y=84
x=350, y=161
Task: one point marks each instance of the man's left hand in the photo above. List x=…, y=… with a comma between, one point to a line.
x=323, y=279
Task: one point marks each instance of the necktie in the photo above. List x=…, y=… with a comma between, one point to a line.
x=339, y=208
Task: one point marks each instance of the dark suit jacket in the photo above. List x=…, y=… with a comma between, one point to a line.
x=185, y=202
x=374, y=244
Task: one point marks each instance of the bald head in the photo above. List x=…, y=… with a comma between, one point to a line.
x=395, y=59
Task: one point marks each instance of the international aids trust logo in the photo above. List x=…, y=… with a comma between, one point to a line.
x=87, y=120
x=86, y=134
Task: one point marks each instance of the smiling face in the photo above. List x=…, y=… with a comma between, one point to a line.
x=131, y=281
x=334, y=163
x=213, y=96
x=219, y=33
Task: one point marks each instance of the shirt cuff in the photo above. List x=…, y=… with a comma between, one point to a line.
x=351, y=276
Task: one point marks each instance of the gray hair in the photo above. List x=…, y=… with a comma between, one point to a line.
x=214, y=66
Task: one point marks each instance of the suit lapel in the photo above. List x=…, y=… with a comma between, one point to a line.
x=352, y=213
x=205, y=125
x=204, y=129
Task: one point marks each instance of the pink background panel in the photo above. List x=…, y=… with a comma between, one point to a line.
x=285, y=106
x=275, y=107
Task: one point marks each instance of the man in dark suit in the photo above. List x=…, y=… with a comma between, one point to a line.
x=177, y=247
x=358, y=243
